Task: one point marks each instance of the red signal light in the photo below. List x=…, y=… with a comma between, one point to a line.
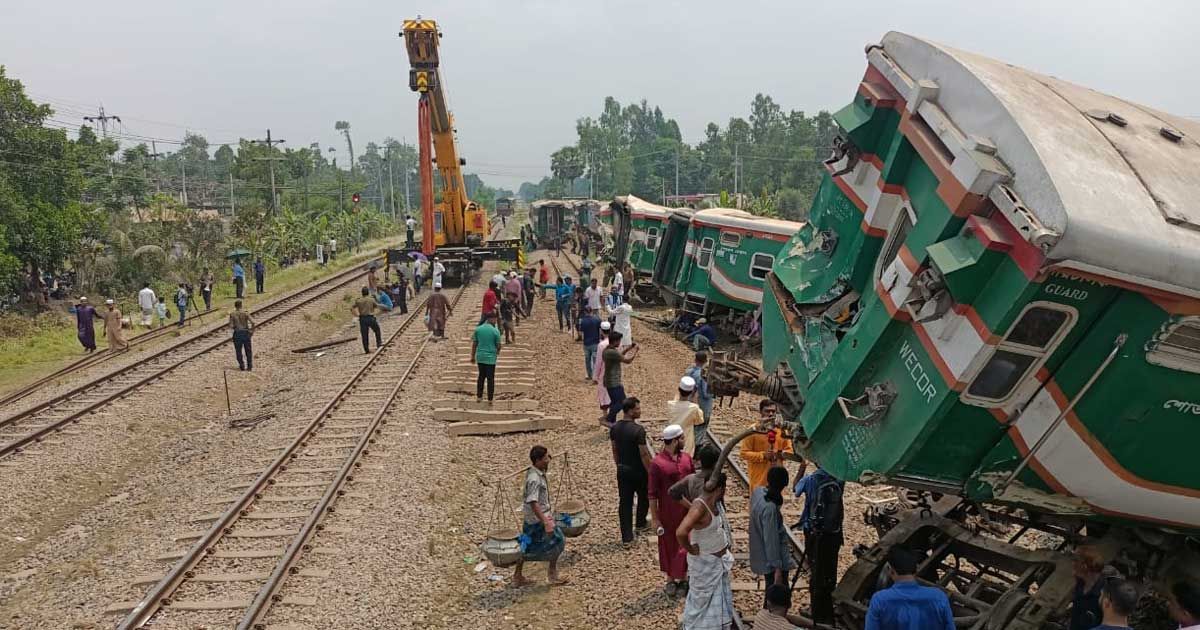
x=355, y=197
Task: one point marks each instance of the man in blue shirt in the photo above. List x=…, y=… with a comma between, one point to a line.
x=563, y=292
x=239, y=277
x=589, y=326
x=821, y=522
x=703, y=337
x=704, y=396
x=907, y=605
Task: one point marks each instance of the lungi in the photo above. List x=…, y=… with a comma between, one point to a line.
x=538, y=546
x=709, y=604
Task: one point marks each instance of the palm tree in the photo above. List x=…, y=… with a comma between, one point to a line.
x=344, y=127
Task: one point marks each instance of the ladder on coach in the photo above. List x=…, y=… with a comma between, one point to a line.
x=695, y=304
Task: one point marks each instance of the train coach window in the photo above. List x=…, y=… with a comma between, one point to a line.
x=1177, y=346
x=1028, y=343
x=706, y=251
x=651, y=238
x=760, y=264
x=905, y=220
x=730, y=239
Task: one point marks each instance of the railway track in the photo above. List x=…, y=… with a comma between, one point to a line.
x=737, y=507
x=239, y=565
x=94, y=359
x=34, y=424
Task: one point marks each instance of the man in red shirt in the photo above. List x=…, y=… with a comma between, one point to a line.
x=490, y=302
x=543, y=276
x=670, y=465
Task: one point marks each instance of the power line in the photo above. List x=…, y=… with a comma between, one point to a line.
x=75, y=107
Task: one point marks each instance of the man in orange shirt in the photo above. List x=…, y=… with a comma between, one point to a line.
x=761, y=451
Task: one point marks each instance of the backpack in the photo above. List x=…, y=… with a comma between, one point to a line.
x=828, y=511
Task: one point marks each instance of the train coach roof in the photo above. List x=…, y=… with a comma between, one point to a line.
x=545, y=203
x=1122, y=193
x=730, y=217
x=641, y=206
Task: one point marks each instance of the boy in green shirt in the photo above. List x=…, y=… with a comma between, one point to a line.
x=485, y=347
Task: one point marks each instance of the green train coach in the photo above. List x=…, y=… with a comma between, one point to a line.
x=996, y=305
x=550, y=219
x=713, y=262
x=637, y=227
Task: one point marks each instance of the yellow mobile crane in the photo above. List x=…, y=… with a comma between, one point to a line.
x=456, y=229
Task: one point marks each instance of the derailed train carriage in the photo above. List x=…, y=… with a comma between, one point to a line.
x=550, y=220
x=996, y=304
x=713, y=262
x=553, y=219
x=637, y=227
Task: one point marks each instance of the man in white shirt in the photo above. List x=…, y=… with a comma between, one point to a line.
x=618, y=281
x=332, y=249
x=593, y=295
x=146, y=301
x=438, y=270
x=418, y=275
x=622, y=324
x=410, y=224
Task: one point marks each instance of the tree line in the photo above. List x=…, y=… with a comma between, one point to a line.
x=116, y=217
x=773, y=156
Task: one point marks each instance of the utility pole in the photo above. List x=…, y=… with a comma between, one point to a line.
x=341, y=189
x=103, y=119
x=271, y=165
x=183, y=170
x=154, y=154
x=676, y=175
x=407, y=207
x=391, y=184
x=232, y=208
x=737, y=167
x=307, y=168
x=379, y=184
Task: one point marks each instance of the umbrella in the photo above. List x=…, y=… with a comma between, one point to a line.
x=238, y=253
x=418, y=256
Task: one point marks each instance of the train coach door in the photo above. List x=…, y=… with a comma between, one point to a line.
x=671, y=251
x=622, y=226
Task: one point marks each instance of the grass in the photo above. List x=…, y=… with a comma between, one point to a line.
x=31, y=348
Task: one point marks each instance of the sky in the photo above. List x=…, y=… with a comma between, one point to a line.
x=519, y=73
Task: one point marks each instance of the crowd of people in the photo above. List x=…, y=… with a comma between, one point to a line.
x=668, y=488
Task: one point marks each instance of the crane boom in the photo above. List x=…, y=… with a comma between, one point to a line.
x=456, y=220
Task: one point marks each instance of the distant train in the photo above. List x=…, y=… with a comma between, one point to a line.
x=505, y=206
x=706, y=262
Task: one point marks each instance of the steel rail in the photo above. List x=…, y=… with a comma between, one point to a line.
x=318, y=289
x=744, y=477
x=269, y=593
x=93, y=359
x=159, y=596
